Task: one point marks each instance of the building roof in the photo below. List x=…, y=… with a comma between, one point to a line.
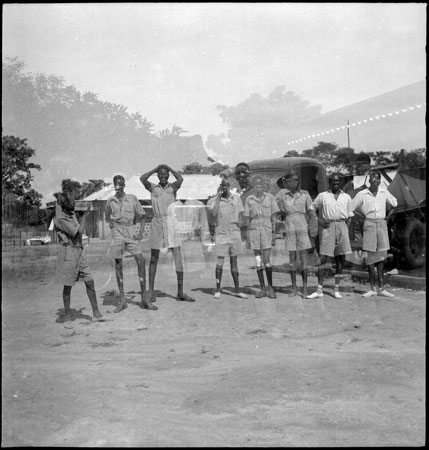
x=196, y=187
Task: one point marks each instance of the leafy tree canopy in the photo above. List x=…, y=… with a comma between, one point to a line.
x=196, y=167
x=16, y=171
x=260, y=125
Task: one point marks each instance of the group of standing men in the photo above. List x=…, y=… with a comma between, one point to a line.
x=249, y=214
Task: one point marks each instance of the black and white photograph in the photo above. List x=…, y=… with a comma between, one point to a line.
x=213, y=225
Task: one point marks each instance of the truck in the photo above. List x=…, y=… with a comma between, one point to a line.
x=407, y=222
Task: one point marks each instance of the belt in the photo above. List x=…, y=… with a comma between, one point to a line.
x=375, y=219
x=332, y=221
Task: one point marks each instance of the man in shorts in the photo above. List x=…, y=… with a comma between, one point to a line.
x=335, y=208
x=71, y=263
x=163, y=195
x=227, y=209
x=122, y=213
x=295, y=204
x=372, y=202
x=260, y=210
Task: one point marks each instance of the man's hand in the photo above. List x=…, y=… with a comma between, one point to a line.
x=273, y=240
x=323, y=223
x=87, y=211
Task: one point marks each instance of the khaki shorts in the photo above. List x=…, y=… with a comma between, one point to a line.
x=71, y=266
x=261, y=234
x=120, y=246
x=230, y=245
x=335, y=240
x=375, y=235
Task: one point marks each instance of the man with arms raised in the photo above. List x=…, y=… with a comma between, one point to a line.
x=163, y=195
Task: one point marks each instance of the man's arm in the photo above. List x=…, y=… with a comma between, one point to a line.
x=83, y=220
x=145, y=177
x=179, y=178
x=140, y=212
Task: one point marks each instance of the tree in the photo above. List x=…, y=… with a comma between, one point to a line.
x=16, y=170
x=410, y=159
x=260, y=125
x=345, y=159
x=290, y=153
x=325, y=152
x=92, y=186
x=194, y=167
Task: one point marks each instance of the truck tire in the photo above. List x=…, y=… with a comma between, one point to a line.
x=413, y=239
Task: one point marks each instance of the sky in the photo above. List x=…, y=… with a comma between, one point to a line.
x=176, y=62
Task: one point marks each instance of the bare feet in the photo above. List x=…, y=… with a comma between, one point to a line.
x=97, y=314
x=292, y=293
x=123, y=305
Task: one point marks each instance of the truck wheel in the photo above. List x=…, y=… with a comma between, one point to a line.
x=413, y=238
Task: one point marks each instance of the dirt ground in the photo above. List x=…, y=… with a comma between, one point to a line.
x=231, y=372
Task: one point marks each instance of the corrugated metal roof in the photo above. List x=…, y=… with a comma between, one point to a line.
x=196, y=187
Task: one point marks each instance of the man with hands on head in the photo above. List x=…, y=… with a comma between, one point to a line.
x=122, y=212
x=163, y=195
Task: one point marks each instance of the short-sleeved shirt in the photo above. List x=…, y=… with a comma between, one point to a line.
x=162, y=197
x=228, y=213
x=333, y=208
x=297, y=205
x=373, y=206
x=228, y=217
x=260, y=210
x=122, y=215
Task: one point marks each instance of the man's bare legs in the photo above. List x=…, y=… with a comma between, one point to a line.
x=90, y=290
x=141, y=268
x=120, y=280
x=154, y=257
x=178, y=263
x=66, y=302
x=293, y=268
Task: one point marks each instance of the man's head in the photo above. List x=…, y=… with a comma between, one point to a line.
x=224, y=187
x=66, y=201
x=242, y=172
x=363, y=163
x=335, y=181
x=374, y=180
x=119, y=183
x=163, y=174
x=291, y=181
x=257, y=185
